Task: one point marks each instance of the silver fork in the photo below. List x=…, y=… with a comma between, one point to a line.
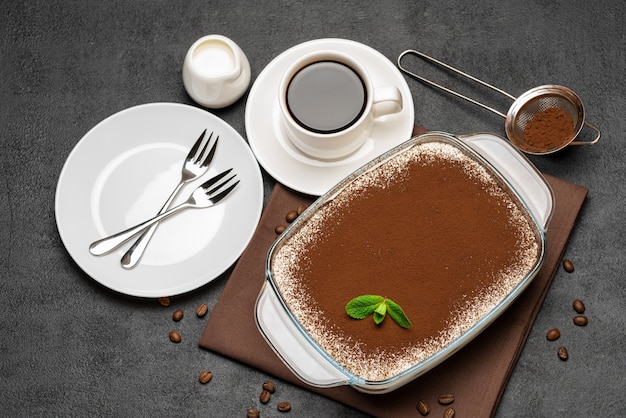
x=195, y=165
x=204, y=196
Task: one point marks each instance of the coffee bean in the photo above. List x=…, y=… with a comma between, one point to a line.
x=448, y=413
x=175, y=336
x=446, y=399
x=164, y=301
x=301, y=209
x=568, y=265
x=562, y=353
x=283, y=406
x=178, y=315
x=253, y=413
x=269, y=386
x=205, y=377
x=202, y=309
x=423, y=407
x=291, y=216
x=579, y=306
x=581, y=320
x=553, y=334
x=280, y=229
x=265, y=396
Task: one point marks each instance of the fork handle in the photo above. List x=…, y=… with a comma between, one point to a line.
x=108, y=244
x=135, y=252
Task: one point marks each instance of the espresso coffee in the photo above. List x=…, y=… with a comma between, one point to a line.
x=326, y=97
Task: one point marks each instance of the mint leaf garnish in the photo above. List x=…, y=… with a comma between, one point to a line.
x=378, y=317
x=381, y=309
x=363, y=306
x=379, y=313
x=397, y=314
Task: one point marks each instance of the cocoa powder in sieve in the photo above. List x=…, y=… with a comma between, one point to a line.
x=549, y=129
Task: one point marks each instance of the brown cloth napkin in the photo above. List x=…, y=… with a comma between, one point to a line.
x=476, y=375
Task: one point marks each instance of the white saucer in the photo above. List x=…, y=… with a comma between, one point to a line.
x=286, y=163
x=122, y=171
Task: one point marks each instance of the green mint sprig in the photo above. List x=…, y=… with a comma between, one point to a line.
x=363, y=306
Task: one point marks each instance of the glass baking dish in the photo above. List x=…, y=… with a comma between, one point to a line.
x=309, y=360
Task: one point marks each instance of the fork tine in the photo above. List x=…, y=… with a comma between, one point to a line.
x=198, y=155
x=219, y=186
x=210, y=182
x=226, y=192
x=196, y=144
x=206, y=159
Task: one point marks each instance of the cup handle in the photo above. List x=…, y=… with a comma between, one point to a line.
x=387, y=100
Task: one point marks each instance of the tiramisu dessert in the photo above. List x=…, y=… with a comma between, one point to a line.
x=431, y=229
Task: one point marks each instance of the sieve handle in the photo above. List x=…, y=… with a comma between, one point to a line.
x=596, y=139
x=446, y=89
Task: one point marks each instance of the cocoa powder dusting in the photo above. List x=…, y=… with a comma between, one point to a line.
x=429, y=229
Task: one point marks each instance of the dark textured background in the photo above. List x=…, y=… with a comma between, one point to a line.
x=70, y=347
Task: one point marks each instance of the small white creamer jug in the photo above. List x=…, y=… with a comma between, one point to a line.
x=216, y=72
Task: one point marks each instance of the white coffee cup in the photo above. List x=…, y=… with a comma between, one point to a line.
x=216, y=72
x=328, y=104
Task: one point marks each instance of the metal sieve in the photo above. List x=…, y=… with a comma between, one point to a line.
x=524, y=108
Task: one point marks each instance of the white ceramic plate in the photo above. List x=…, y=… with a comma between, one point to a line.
x=123, y=170
x=286, y=163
